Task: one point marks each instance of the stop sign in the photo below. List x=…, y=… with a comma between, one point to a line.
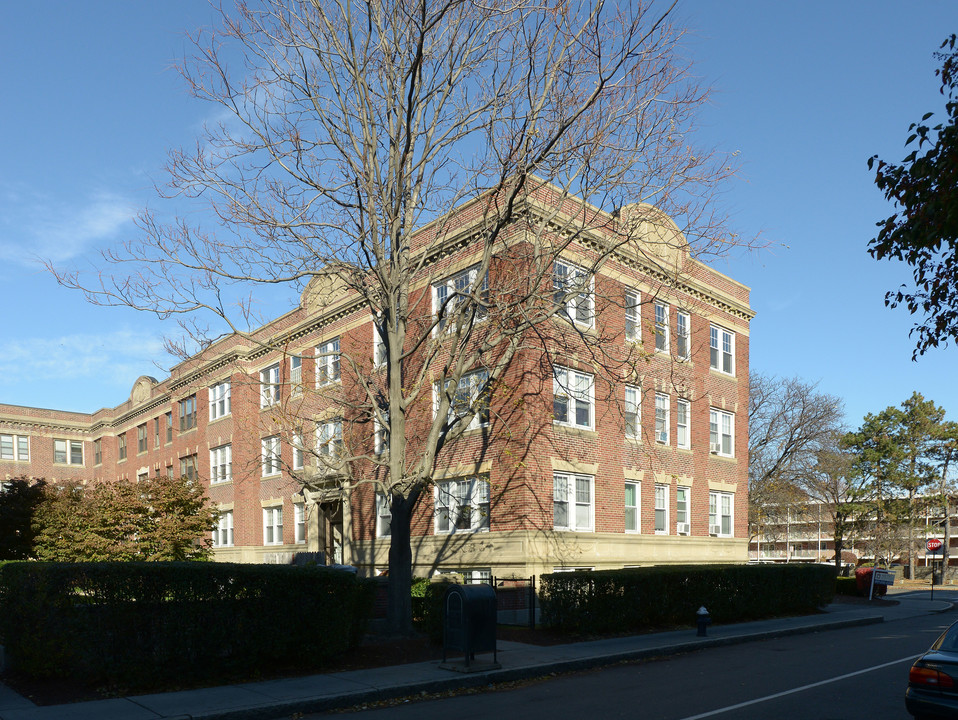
x=933, y=544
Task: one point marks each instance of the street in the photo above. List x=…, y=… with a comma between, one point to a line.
x=854, y=674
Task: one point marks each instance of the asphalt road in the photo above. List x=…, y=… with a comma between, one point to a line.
x=854, y=674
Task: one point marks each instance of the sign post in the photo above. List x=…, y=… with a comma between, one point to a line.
x=933, y=546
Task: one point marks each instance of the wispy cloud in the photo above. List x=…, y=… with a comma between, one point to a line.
x=34, y=225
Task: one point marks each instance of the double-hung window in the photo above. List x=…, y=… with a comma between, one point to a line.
x=384, y=515
x=327, y=362
x=220, y=400
x=273, y=525
x=120, y=447
x=329, y=438
x=188, y=467
x=295, y=375
x=269, y=386
x=720, y=514
x=98, y=451
x=662, y=509
x=471, y=397
x=141, y=439
x=380, y=349
x=683, y=438
x=270, y=455
x=169, y=427
x=633, y=316
x=662, y=418
x=156, y=432
x=460, y=293
x=381, y=433
x=299, y=516
x=574, y=398
x=187, y=414
x=574, y=293
x=633, y=412
x=722, y=350
x=632, y=517
x=721, y=432
x=683, y=335
x=15, y=447
x=299, y=450
x=572, y=501
x=462, y=505
x=223, y=534
x=221, y=464
x=661, y=327
x=682, y=522
x=68, y=452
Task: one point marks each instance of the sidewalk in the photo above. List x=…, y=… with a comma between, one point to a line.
x=273, y=699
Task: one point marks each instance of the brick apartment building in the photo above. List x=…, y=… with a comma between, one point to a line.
x=568, y=467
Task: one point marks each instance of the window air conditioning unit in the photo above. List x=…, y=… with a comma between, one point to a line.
x=662, y=437
x=682, y=528
x=715, y=529
x=715, y=448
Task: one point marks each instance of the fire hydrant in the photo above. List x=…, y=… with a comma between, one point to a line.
x=704, y=620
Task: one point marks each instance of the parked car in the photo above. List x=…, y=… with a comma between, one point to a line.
x=933, y=680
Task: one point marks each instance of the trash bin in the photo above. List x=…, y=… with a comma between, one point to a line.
x=469, y=621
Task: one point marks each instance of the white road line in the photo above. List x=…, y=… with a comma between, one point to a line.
x=798, y=689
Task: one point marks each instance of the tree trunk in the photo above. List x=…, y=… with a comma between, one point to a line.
x=399, y=586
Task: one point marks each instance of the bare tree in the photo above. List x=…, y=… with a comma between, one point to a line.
x=364, y=142
x=789, y=423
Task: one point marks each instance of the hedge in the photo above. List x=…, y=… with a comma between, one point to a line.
x=637, y=599
x=139, y=625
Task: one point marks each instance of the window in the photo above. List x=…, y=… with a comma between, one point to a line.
x=223, y=534
x=270, y=455
x=15, y=447
x=169, y=427
x=662, y=418
x=462, y=505
x=329, y=438
x=220, y=400
x=574, y=398
x=632, y=507
x=97, y=451
x=661, y=327
x=683, y=325
x=156, y=433
x=633, y=412
x=142, y=444
x=573, y=292
x=299, y=451
x=380, y=349
x=327, y=363
x=188, y=467
x=722, y=350
x=683, y=438
x=633, y=316
x=720, y=514
x=221, y=464
x=682, y=522
x=384, y=515
x=381, y=434
x=572, y=501
x=299, y=517
x=662, y=509
x=296, y=374
x=273, y=525
x=187, y=414
x=269, y=386
x=121, y=446
x=455, y=292
x=721, y=431
x=471, y=396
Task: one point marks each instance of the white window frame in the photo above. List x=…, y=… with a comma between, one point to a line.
x=379, y=347
x=661, y=505
x=19, y=447
x=683, y=419
x=683, y=510
x=299, y=519
x=299, y=451
x=271, y=455
x=661, y=327
x=574, y=391
x=383, y=515
x=223, y=533
x=220, y=400
x=662, y=402
x=633, y=316
x=568, y=499
x=634, y=526
x=67, y=448
x=269, y=386
x=328, y=363
x=187, y=410
x=721, y=514
x=273, y=525
x=683, y=335
x=721, y=432
x=221, y=464
x=295, y=375
x=471, y=394
x=461, y=505
x=456, y=290
x=633, y=412
x=329, y=438
x=380, y=434
x=721, y=350
x=574, y=291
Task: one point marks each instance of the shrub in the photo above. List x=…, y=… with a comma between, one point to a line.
x=863, y=580
x=846, y=586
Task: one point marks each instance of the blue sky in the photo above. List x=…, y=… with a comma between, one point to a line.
x=804, y=92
